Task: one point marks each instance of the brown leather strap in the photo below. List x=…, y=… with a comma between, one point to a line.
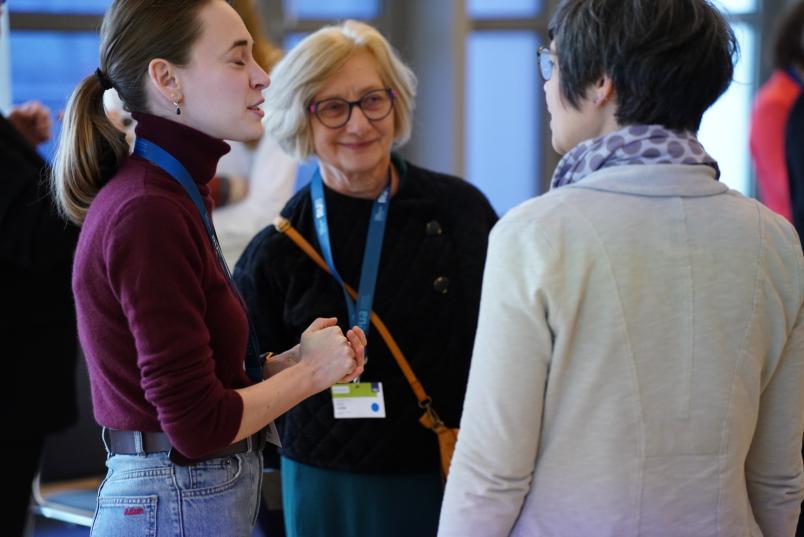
x=284, y=226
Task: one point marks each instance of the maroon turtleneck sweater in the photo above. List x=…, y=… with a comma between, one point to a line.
x=163, y=333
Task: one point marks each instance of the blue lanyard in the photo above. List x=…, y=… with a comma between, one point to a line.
x=359, y=311
x=162, y=159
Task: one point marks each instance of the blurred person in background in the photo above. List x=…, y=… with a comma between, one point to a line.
x=258, y=175
x=772, y=107
x=36, y=254
x=794, y=151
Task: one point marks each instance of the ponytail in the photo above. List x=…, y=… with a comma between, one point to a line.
x=89, y=153
x=91, y=149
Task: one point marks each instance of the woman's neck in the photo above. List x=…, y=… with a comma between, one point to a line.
x=360, y=185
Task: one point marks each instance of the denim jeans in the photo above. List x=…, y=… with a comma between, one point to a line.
x=148, y=495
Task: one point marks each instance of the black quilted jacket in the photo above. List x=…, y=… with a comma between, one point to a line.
x=428, y=292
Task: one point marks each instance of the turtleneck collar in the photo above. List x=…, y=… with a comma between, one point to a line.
x=198, y=152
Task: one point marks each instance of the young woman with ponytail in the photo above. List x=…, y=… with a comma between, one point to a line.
x=162, y=327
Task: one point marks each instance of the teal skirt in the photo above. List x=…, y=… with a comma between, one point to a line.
x=330, y=503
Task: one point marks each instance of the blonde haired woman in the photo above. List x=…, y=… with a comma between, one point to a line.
x=162, y=327
x=344, y=96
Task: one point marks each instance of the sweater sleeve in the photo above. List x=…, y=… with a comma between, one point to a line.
x=493, y=465
x=774, y=472
x=155, y=259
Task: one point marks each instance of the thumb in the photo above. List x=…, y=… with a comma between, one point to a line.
x=320, y=323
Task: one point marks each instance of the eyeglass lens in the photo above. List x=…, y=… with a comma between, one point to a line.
x=545, y=63
x=334, y=113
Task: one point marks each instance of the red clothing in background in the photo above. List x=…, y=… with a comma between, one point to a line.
x=768, y=119
x=163, y=332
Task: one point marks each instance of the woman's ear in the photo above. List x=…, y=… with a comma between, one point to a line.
x=163, y=78
x=603, y=90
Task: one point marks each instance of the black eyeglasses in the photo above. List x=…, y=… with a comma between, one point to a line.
x=544, y=57
x=336, y=112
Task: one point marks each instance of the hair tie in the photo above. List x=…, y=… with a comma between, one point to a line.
x=104, y=80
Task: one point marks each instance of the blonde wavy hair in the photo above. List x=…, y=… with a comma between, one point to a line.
x=303, y=71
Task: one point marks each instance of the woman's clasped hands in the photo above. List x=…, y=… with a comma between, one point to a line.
x=331, y=356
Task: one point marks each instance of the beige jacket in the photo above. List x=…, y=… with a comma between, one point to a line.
x=638, y=366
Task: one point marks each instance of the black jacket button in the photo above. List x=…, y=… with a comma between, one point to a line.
x=433, y=228
x=441, y=285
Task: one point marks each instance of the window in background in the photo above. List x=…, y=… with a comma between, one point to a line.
x=293, y=39
x=504, y=109
x=725, y=126
x=5, y=64
x=46, y=66
x=736, y=7
x=331, y=9
x=498, y=9
x=90, y=7
x=504, y=100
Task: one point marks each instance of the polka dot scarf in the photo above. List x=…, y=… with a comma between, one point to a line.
x=635, y=144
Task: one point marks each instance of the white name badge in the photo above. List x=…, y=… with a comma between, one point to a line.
x=361, y=400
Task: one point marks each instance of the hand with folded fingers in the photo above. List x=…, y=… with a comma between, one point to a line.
x=32, y=120
x=330, y=355
x=357, y=339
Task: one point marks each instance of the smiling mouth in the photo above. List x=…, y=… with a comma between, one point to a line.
x=358, y=145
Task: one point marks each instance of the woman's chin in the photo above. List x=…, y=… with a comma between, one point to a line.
x=247, y=134
x=558, y=147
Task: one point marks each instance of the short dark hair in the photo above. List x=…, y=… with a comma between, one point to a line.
x=788, y=38
x=669, y=60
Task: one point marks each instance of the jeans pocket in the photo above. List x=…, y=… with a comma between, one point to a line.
x=125, y=516
x=221, y=504
x=213, y=476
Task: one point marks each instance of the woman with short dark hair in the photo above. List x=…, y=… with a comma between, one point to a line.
x=638, y=364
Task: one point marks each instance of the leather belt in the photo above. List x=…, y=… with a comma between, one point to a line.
x=139, y=443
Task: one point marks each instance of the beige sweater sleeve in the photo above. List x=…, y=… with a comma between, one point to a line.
x=494, y=460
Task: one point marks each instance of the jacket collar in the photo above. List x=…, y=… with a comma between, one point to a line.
x=654, y=180
x=198, y=152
